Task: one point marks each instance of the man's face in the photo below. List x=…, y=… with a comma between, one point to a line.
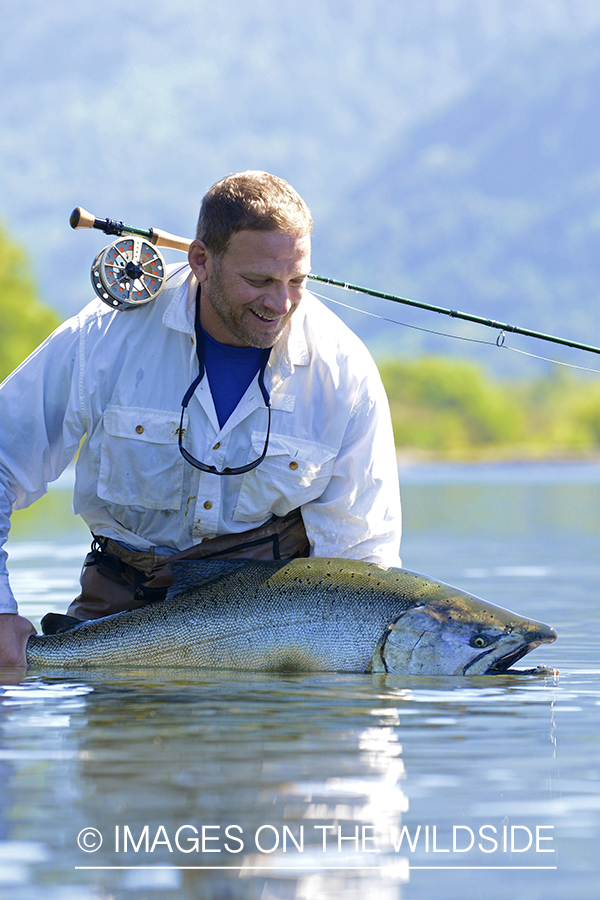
x=250, y=292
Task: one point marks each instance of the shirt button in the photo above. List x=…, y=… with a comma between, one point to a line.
x=207, y=504
x=293, y=465
x=139, y=429
x=217, y=445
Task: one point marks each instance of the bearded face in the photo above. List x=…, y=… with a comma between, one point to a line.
x=250, y=292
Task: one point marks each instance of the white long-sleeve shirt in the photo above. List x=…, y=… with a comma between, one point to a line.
x=117, y=379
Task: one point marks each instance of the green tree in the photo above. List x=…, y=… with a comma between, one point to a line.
x=565, y=411
x=24, y=320
x=449, y=407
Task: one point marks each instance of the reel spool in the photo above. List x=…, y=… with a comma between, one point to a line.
x=128, y=273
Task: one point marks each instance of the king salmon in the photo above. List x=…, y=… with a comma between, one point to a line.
x=305, y=615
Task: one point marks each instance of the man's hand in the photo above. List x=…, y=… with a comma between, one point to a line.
x=14, y=632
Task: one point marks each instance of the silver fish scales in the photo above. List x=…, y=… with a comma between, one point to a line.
x=306, y=615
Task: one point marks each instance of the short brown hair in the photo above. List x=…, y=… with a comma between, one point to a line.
x=254, y=200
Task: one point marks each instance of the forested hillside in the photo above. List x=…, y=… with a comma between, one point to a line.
x=494, y=206
x=449, y=148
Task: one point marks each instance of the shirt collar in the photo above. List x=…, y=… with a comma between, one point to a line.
x=290, y=350
x=179, y=314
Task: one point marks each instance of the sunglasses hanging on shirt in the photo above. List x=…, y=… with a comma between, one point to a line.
x=237, y=470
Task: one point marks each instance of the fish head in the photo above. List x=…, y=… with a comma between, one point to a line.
x=459, y=635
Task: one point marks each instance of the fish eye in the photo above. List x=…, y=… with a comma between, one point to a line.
x=480, y=640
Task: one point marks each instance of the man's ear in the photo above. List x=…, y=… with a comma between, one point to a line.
x=200, y=259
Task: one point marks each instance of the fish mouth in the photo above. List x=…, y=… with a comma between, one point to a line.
x=503, y=664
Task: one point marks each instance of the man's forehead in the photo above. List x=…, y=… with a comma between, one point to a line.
x=275, y=241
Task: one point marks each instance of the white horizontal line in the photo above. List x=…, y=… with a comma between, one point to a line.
x=244, y=868
x=486, y=868
x=313, y=868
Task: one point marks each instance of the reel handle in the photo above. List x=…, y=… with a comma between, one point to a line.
x=81, y=218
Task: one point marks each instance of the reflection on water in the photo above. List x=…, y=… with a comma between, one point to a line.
x=232, y=785
x=307, y=773
x=264, y=767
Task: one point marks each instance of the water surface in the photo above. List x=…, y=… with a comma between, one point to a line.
x=235, y=785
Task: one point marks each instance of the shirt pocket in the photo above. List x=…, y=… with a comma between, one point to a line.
x=140, y=462
x=292, y=473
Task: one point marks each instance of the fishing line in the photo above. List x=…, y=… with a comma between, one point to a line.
x=556, y=362
x=458, y=337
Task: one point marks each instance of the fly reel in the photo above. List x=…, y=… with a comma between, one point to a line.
x=128, y=273
x=131, y=272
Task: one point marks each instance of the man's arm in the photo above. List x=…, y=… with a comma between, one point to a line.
x=41, y=429
x=14, y=629
x=358, y=516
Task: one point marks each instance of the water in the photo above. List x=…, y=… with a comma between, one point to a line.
x=233, y=785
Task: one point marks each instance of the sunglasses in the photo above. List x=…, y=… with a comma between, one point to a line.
x=189, y=458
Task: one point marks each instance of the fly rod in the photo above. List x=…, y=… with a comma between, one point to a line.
x=128, y=276
x=455, y=314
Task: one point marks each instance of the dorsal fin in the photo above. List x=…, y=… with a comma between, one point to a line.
x=57, y=623
x=190, y=573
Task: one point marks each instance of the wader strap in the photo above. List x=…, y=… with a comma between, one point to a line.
x=114, y=578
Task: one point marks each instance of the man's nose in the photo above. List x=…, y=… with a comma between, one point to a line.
x=277, y=298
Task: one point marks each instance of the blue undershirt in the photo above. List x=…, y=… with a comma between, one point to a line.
x=230, y=371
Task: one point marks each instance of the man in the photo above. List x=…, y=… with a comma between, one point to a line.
x=282, y=444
